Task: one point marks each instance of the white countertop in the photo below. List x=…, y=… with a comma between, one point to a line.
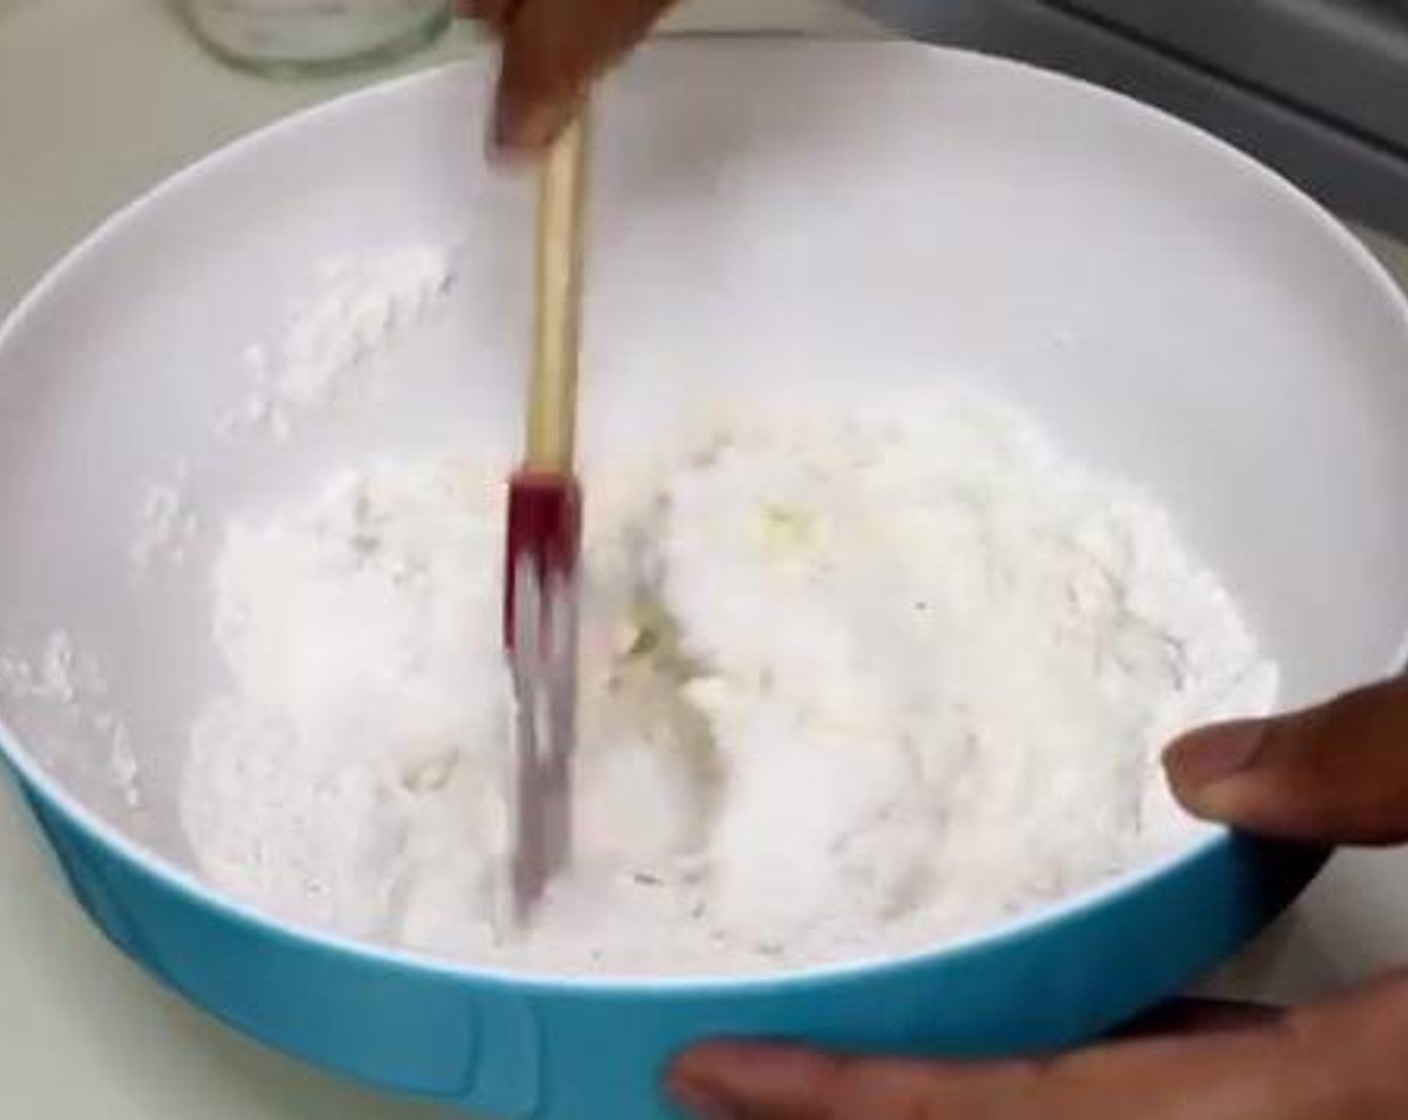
x=99, y=99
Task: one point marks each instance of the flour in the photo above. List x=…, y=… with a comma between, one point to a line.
x=365, y=303
x=362, y=304
x=56, y=676
x=61, y=677
x=852, y=683
x=167, y=526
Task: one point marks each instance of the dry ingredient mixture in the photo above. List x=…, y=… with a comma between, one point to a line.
x=854, y=681
x=362, y=304
x=64, y=677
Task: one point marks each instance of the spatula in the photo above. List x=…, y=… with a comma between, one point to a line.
x=544, y=537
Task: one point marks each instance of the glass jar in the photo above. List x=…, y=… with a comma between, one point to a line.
x=293, y=37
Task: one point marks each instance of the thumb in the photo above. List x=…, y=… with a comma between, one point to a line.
x=1337, y=1060
x=1334, y=774
x=553, y=51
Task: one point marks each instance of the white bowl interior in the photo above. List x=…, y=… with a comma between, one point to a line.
x=772, y=219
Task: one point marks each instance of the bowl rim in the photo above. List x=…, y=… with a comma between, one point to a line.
x=1218, y=842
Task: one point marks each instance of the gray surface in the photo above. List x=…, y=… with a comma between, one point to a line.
x=1347, y=168
x=1345, y=59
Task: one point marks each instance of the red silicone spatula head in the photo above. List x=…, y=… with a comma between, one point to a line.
x=540, y=633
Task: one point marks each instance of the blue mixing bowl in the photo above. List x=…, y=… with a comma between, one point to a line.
x=525, y=1049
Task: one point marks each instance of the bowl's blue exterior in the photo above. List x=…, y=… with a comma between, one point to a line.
x=555, y=1050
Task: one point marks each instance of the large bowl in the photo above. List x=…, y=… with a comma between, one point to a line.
x=830, y=219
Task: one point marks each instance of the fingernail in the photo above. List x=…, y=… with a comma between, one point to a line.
x=503, y=150
x=523, y=133
x=511, y=160
x=702, y=1104
x=1209, y=756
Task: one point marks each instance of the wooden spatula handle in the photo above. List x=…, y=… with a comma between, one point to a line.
x=552, y=412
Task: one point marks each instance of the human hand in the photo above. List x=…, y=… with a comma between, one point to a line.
x=1337, y=774
x=552, y=51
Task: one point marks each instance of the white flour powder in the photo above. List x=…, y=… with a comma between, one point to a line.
x=361, y=305
x=853, y=683
x=365, y=302
x=166, y=525
x=63, y=678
